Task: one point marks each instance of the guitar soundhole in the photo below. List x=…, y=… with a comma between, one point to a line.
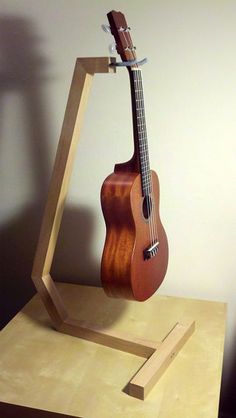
x=147, y=207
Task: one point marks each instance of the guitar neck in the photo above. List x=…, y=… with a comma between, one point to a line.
x=141, y=154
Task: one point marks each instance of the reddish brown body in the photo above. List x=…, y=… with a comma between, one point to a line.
x=124, y=271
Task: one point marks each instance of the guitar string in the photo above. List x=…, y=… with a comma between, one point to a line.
x=150, y=205
x=143, y=147
x=144, y=167
x=147, y=166
x=144, y=164
x=128, y=44
x=153, y=213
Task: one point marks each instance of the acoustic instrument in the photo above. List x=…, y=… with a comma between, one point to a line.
x=135, y=255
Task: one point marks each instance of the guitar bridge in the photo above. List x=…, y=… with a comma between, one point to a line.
x=150, y=252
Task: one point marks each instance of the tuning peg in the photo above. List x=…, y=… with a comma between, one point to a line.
x=106, y=28
x=122, y=29
x=130, y=48
x=112, y=48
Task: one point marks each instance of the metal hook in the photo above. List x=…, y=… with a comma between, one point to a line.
x=106, y=28
x=112, y=48
x=121, y=29
x=129, y=63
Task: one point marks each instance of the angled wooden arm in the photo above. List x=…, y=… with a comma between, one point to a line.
x=85, y=68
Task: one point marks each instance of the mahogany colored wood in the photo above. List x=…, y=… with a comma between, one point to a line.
x=124, y=271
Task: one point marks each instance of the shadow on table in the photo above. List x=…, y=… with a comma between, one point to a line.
x=13, y=411
x=227, y=398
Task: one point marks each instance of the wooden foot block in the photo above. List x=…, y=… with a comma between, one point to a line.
x=144, y=380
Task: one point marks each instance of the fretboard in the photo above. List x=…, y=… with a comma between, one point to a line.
x=140, y=130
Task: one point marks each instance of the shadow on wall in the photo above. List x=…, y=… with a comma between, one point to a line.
x=23, y=72
x=73, y=261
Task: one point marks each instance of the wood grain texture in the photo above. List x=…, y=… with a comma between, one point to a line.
x=124, y=271
x=155, y=366
x=113, y=339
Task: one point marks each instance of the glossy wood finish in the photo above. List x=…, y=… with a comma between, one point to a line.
x=124, y=271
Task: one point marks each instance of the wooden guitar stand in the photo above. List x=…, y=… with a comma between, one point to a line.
x=158, y=354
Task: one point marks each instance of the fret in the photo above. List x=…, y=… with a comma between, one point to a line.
x=142, y=129
x=143, y=147
x=145, y=182
x=144, y=160
x=147, y=192
x=146, y=179
x=146, y=185
x=145, y=166
x=142, y=132
x=147, y=188
x=143, y=140
x=143, y=156
x=141, y=121
x=146, y=174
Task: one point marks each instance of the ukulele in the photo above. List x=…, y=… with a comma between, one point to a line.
x=135, y=254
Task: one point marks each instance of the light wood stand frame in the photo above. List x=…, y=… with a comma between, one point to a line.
x=158, y=354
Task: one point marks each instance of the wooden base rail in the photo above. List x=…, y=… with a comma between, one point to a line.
x=158, y=354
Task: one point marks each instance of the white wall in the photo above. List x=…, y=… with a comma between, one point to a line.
x=190, y=94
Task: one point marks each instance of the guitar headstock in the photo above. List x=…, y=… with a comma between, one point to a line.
x=121, y=32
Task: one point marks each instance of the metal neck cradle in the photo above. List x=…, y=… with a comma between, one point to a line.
x=129, y=63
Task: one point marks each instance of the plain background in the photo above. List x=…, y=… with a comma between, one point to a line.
x=190, y=96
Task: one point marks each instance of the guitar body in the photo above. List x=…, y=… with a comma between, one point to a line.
x=125, y=272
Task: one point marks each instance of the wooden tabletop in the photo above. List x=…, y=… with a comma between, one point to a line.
x=43, y=369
